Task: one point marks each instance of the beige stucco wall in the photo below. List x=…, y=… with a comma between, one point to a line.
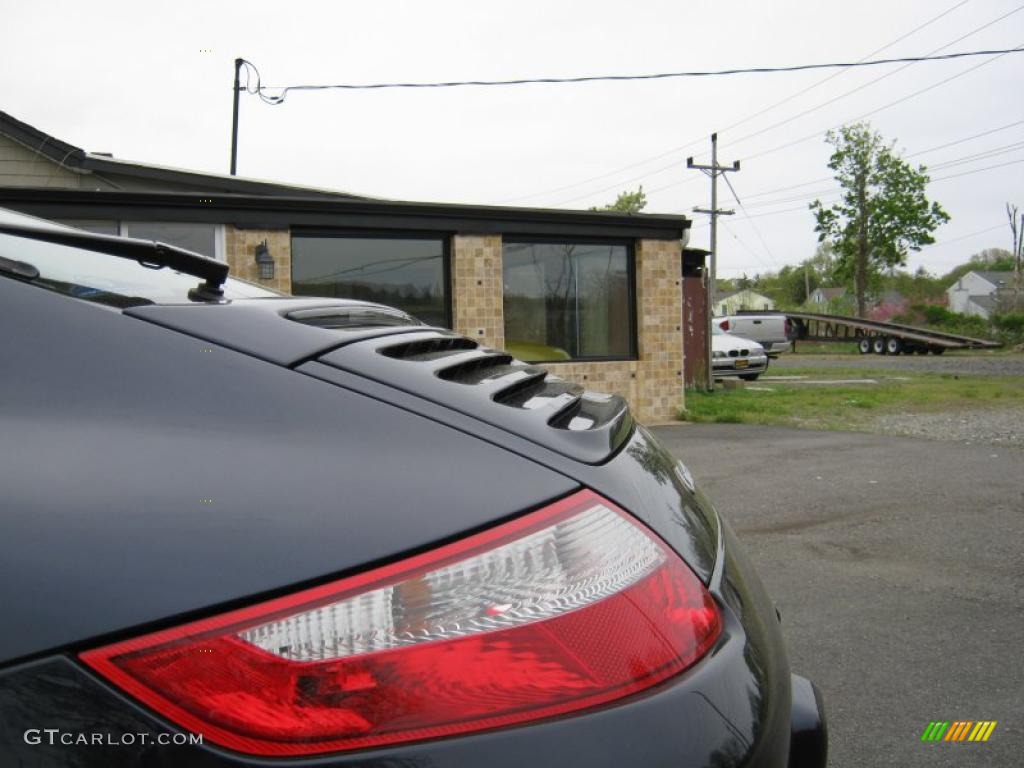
x=240, y=245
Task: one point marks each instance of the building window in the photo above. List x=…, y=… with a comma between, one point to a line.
x=98, y=226
x=197, y=237
x=569, y=301
x=408, y=273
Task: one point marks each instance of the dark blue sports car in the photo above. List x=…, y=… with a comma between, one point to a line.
x=246, y=529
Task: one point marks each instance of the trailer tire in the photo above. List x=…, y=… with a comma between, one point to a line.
x=938, y=350
x=893, y=345
x=864, y=346
x=878, y=345
x=922, y=350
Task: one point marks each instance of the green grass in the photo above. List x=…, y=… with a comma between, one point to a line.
x=850, y=406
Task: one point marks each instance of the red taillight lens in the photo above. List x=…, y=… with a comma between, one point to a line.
x=569, y=607
x=724, y=325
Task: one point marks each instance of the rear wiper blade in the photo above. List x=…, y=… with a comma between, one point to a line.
x=148, y=253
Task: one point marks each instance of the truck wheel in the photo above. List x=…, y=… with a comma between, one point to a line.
x=878, y=345
x=893, y=346
x=864, y=346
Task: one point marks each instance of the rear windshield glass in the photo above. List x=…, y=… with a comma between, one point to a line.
x=110, y=279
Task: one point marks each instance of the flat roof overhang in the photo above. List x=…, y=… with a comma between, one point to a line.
x=285, y=212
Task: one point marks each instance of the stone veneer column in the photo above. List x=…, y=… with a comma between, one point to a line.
x=477, y=288
x=241, y=255
x=659, y=298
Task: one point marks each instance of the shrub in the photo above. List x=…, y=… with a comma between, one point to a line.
x=1010, y=327
x=1011, y=322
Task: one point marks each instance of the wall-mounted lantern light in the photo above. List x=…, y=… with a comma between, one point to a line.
x=264, y=261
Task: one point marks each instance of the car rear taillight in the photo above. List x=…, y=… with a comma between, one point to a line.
x=724, y=325
x=566, y=608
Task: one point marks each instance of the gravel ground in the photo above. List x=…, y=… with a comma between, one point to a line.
x=1002, y=427
x=973, y=365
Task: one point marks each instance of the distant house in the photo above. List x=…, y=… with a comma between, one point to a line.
x=977, y=292
x=736, y=301
x=823, y=296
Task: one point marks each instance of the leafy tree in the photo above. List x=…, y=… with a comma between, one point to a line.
x=883, y=213
x=627, y=202
x=995, y=259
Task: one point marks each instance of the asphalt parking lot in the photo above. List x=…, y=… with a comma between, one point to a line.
x=898, y=566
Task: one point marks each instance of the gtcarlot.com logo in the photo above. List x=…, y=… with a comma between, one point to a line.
x=57, y=737
x=958, y=730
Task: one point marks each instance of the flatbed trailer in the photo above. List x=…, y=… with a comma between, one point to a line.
x=873, y=336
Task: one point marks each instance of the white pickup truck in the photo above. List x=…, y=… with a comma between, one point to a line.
x=772, y=330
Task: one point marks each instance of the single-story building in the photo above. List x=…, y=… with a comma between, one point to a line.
x=597, y=296
x=822, y=297
x=731, y=302
x=977, y=292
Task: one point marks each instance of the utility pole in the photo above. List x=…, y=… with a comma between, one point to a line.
x=714, y=171
x=234, y=119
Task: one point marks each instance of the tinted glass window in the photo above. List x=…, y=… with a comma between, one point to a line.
x=568, y=301
x=200, y=238
x=404, y=273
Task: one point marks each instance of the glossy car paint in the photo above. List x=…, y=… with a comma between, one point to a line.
x=117, y=429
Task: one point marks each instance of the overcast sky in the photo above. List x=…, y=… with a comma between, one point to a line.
x=133, y=78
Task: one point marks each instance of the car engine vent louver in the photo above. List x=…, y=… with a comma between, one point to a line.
x=428, y=349
x=494, y=387
x=483, y=366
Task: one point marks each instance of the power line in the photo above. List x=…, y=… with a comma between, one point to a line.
x=861, y=87
x=746, y=119
x=283, y=91
x=749, y=250
x=823, y=179
x=819, y=133
x=261, y=90
x=967, y=138
x=875, y=52
x=875, y=111
x=965, y=237
x=978, y=170
x=984, y=155
x=828, y=198
x=746, y=215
